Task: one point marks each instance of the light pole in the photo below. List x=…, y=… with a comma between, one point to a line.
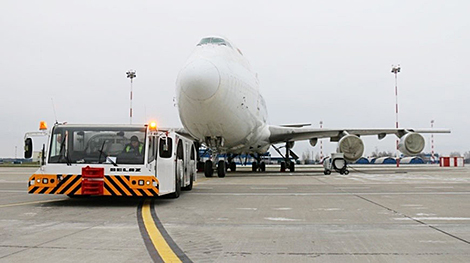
x=432, y=143
x=396, y=70
x=321, y=143
x=131, y=75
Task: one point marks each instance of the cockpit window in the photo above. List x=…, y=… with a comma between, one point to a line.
x=214, y=40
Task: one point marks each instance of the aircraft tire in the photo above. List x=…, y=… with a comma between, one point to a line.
x=254, y=166
x=283, y=166
x=262, y=166
x=233, y=166
x=221, y=171
x=208, y=172
x=292, y=166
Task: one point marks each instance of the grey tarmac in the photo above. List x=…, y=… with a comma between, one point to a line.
x=374, y=214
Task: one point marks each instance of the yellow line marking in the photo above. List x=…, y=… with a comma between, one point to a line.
x=29, y=203
x=164, y=250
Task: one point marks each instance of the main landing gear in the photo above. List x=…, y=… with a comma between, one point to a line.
x=288, y=163
x=258, y=165
x=222, y=166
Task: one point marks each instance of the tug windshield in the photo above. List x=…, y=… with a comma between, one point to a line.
x=112, y=145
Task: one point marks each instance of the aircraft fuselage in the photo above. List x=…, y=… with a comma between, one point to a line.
x=219, y=101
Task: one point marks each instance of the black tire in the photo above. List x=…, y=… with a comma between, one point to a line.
x=177, y=192
x=189, y=187
x=283, y=166
x=208, y=172
x=221, y=170
x=233, y=166
x=200, y=167
x=262, y=166
x=292, y=166
x=346, y=172
x=254, y=166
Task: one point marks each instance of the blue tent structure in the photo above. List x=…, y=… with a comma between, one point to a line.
x=412, y=160
x=385, y=160
x=362, y=160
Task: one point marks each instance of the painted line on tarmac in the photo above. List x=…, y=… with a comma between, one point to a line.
x=268, y=188
x=352, y=188
x=434, y=187
x=159, y=243
x=30, y=203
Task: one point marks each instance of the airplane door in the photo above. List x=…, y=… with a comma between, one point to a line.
x=166, y=165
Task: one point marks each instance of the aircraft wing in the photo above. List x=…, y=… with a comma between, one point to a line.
x=181, y=131
x=284, y=134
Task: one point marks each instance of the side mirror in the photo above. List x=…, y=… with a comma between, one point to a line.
x=43, y=155
x=28, y=148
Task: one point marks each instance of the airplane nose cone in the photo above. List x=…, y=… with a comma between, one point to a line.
x=199, y=80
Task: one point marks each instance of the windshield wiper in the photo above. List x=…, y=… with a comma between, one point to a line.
x=101, y=152
x=111, y=161
x=65, y=155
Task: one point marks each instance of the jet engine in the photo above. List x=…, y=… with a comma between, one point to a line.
x=351, y=146
x=411, y=143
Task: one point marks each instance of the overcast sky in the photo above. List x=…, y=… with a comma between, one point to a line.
x=316, y=60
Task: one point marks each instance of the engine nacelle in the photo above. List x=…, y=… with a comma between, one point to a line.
x=411, y=143
x=313, y=142
x=351, y=146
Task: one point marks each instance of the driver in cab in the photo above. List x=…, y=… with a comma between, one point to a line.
x=135, y=147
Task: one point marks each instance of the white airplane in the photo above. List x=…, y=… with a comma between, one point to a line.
x=220, y=105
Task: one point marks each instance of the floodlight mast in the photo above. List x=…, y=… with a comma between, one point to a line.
x=396, y=70
x=131, y=75
x=432, y=143
x=321, y=142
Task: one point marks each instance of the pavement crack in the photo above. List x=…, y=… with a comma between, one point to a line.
x=404, y=215
x=414, y=219
x=49, y=241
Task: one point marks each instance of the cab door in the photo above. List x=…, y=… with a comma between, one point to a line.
x=166, y=164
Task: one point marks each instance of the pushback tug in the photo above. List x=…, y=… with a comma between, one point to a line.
x=94, y=160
